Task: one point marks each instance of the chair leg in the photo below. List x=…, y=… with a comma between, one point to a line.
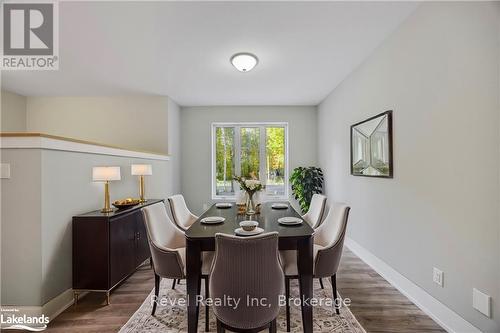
x=287, y=306
x=157, y=291
x=334, y=287
x=321, y=283
x=220, y=329
x=207, y=318
x=272, y=327
x=173, y=283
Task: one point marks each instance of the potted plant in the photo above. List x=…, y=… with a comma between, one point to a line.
x=250, y=186
x=306, y=181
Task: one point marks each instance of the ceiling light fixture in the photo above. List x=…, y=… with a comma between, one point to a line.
x=244, y=62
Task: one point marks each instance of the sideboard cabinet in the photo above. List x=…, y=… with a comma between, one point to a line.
x=108, y=248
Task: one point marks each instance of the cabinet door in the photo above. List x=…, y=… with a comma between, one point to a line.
x=90, y=253
x=142, y=251
x=122, y=246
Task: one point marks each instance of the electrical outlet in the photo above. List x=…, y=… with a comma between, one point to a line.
x=4, y=170
x=481, y=302
x=438, y=276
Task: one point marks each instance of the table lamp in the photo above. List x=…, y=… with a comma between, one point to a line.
x=106, y=174
x=141, y=170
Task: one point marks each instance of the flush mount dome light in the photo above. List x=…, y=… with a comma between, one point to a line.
x=244, y=62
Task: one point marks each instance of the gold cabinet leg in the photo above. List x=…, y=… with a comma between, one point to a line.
x=75, y=296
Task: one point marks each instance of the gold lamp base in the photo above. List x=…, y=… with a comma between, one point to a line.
x=141, y=190
x=107, y=208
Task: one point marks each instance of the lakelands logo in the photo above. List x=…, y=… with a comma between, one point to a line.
x=11, y=319
x=30, y=36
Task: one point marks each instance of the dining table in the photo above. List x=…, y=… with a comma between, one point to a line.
x=201, y=237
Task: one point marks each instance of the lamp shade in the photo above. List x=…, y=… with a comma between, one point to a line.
x=105, y=173
x=142, y=170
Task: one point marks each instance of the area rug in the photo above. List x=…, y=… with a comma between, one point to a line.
x=173, y=318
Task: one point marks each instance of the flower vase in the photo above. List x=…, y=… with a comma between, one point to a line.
x=250, y=204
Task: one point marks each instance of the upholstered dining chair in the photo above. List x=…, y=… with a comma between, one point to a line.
x=168, y=251
x=328, y=244
x=315, y=214
x=247, y=267
x=316, y=210
x=181, y=214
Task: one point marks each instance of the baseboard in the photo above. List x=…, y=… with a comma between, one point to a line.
x=51, y=309
x=58, y=304
x=440, y=313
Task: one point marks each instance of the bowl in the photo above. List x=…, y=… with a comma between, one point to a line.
x=125, y=203
x=249, y=225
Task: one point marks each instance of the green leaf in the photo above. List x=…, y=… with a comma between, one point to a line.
x=305, y=183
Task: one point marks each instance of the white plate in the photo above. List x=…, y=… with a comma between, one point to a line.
x=279, y=205
x=289, y=220
x=242, y=232
x=212, y=219
x=223, y=205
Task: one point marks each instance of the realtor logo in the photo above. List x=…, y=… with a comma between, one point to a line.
x=30, y=36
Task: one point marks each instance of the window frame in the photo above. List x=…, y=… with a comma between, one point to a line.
x=237, y=152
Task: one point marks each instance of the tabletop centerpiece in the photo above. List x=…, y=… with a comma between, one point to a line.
x=250, y=186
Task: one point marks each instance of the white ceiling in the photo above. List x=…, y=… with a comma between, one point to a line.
x=182, y=49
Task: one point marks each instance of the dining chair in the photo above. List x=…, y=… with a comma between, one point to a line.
x=181, y=214
x=316, y=210
x=247, y=268
x=314, y=217
x=168, y=251
x=327, y=251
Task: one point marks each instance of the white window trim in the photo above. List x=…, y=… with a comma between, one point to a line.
x=237, y=166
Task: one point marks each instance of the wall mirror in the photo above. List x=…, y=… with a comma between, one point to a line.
x=371, y=147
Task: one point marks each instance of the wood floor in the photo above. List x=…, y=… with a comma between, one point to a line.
x=377, y=305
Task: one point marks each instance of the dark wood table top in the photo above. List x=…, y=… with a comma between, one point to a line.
x=268, y=220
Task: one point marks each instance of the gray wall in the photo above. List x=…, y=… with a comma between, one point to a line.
x=46, y=189
x=21, y=242
x=439, y=72
x=174, y=144
x=111, y=120
x=196, y=146
x=13, y=112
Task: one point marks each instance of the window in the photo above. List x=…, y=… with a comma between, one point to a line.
x=252, y=150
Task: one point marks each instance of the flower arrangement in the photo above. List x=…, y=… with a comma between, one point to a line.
x=250, y=186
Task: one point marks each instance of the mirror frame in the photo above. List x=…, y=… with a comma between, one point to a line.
x=388, y=113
